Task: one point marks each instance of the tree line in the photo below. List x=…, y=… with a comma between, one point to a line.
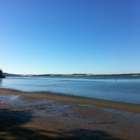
x=1, y=74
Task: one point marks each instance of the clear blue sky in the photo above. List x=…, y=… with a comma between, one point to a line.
x=70, y=36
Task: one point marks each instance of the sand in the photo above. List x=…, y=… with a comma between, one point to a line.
x=51, y=116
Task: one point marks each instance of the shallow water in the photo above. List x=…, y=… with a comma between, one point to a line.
x=9, y=98
x=116, y=88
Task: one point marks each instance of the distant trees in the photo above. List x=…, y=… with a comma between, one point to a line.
x=1, y=74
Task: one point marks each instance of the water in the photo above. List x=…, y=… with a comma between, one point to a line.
x=9, y=98
x=116, y=88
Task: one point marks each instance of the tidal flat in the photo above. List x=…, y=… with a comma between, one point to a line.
x=34, y=115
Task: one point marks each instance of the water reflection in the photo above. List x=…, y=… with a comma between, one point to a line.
x=0, y=82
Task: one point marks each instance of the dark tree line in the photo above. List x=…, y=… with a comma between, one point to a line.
x=1, y=74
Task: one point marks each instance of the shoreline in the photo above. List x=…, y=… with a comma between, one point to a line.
x=42, y=116
x=75, y=99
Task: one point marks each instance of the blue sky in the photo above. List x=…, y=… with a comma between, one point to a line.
x=70, y=36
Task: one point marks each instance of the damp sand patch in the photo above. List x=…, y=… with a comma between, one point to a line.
x=8, y=98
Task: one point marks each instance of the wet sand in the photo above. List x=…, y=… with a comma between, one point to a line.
x=75, y=99
x=32, y=116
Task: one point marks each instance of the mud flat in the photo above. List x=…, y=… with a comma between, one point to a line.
x=42, y=116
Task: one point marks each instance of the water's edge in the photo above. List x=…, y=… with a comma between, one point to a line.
x=120, y=89
x=74, y=99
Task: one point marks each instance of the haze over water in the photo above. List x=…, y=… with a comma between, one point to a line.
x=115, y=88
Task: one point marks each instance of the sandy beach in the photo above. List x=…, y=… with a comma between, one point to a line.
x=50, y=116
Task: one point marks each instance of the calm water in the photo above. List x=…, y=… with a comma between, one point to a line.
x=125, y=89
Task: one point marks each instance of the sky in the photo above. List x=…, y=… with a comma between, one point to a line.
x=70, y=36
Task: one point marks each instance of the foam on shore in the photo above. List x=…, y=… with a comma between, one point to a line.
x=75, y=99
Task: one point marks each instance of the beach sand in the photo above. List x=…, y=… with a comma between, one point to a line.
x=51, y=116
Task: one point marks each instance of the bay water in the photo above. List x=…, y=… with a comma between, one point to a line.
x=115, y=88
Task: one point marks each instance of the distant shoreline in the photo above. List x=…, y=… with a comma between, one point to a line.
x=75, y=99
x=75, y=74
